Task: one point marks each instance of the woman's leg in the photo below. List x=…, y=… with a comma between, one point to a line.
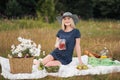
x=53, y=63
x=49, y=61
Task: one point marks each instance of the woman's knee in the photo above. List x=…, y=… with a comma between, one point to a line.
x=47, y=59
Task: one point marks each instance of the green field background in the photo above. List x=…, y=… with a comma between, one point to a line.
x=93, y=32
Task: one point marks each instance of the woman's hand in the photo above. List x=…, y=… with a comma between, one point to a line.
x=57, y=46
x=80, y=62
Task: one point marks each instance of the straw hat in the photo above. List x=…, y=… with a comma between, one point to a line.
x=68, y=14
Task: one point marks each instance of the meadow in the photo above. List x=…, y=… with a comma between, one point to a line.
x=93, y=32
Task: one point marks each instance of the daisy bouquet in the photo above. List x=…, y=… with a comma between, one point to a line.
x=26, y=48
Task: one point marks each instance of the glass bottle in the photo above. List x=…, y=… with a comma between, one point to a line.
x=62, y=44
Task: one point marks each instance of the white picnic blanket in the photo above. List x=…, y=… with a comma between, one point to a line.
x=64, y=71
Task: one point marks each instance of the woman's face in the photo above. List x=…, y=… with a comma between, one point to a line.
x=67, y=21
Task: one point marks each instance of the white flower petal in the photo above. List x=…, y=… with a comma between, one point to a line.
x=19, y=54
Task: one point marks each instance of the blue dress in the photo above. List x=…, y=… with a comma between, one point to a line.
x=65, y=56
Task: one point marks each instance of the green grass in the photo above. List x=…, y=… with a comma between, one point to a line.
x=7, y=25
x=104, y=32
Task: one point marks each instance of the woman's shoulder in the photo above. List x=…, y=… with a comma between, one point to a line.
x=76, y=30
x=60, y=30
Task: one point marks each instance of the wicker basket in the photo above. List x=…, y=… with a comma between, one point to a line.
x=21, y=65
x=95, y=50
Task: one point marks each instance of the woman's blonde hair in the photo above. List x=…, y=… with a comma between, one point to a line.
x=71, y=21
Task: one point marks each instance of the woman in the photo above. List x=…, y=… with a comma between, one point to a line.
x=71, y=37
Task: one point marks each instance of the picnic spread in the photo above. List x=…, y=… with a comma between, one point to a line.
x=24, y=62
x=95, y=67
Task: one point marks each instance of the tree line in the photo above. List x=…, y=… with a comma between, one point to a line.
x=48, y=9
